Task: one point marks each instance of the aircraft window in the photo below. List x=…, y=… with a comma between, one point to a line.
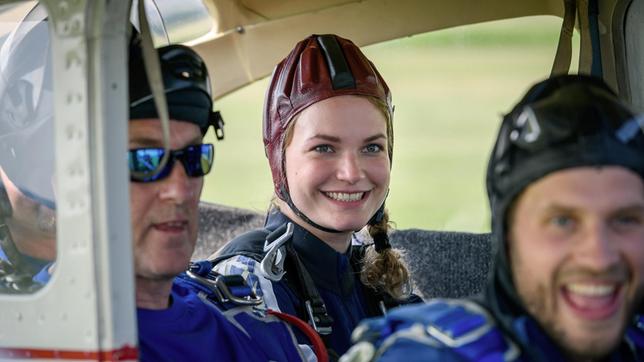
x=27, y=205
x=450, y=89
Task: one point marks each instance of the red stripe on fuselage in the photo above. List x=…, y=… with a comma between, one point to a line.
x=125, y=353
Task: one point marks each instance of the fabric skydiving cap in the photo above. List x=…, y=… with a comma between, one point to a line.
x=564, y=122
x=186, y=83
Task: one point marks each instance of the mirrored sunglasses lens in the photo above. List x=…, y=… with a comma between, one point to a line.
x=207, y=156
x=197, y=160
x=145, y=161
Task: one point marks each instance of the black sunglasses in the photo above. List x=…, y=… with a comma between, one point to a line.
x=196, y=160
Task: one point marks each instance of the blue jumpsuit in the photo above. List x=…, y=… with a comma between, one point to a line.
x=195, y=330
x=332, y=272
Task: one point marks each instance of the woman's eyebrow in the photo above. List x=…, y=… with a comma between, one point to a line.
x=324, y=137
x=375, y=137
x=337, y=139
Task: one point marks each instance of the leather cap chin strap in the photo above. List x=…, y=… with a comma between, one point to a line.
x=301, y=215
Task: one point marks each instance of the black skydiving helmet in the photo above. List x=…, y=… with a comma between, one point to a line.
x=26, y=109
x=186, y=84
x=564, y=122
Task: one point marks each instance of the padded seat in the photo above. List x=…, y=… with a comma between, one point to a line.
x=219, y=223
x=445, y=264
x=442, y=263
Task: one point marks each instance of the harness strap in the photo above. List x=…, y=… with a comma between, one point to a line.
x=318, y=345
x=561, y=64
x=314, y=306
x=593, y=29
x=585, y=45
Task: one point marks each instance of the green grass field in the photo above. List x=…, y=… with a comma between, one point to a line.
x=450, y=89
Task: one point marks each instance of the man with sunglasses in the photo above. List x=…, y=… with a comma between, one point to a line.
x=566, y=189
x=196, y=317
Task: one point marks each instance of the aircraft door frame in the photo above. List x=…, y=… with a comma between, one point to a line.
x=87, y=310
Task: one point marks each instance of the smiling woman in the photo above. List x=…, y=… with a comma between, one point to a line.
x=328, y=133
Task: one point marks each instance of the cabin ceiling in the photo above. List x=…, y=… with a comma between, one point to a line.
x=256, y=34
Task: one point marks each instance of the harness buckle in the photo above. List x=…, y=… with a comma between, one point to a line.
x=221, y=288
x=272, y=265
x=321, y=323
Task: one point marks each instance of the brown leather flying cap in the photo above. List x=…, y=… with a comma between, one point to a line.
x=319, y=67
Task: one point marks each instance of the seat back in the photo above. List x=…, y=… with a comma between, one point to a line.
x=442, y=263
x=220, y=223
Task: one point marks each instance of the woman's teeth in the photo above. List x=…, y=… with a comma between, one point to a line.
x=343, y=196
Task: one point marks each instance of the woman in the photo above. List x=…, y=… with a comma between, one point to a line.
x=328, y=137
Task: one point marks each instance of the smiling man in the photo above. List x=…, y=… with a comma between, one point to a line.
x=181, y=316
x=566, y=188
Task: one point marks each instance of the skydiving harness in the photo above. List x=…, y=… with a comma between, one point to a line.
x=16, y=275
x=225, y=291
x=280, y=256
x=278, y=260
x=229, y=291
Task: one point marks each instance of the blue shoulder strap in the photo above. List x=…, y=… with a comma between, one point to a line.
x=470, y=330
x=442, y=328
x=224, y=291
